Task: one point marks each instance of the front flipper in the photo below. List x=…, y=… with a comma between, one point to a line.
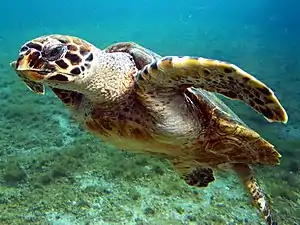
x=141, y=55
x=259, y=199
x=215, y=76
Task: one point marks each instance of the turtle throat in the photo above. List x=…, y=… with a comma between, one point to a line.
x=109, y=80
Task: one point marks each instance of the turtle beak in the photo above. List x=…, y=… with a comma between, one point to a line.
x=32, y=79
x=30, y=66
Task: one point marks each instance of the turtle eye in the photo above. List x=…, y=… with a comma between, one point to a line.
x=53, y=53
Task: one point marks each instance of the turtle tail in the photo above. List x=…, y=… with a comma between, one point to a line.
x=259, y=199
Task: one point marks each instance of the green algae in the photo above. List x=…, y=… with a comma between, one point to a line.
x=13, y=173
x=84, y=183
x=86, y=180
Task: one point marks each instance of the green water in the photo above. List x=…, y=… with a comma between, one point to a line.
x=54, y=172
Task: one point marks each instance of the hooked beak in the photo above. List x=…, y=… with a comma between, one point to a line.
x=24, y=67
x=35, y=71
x=31, y=78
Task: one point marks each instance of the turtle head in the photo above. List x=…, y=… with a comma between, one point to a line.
x=73, y=64
x=57, y=60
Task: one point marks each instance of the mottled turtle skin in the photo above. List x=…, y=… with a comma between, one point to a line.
x=139, y=101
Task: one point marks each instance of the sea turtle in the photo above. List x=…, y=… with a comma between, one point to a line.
x=139, y=101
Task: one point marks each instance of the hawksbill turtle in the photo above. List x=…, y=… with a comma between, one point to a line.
x=139, y=101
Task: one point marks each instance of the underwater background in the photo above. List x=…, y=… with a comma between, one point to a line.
x=54, y=172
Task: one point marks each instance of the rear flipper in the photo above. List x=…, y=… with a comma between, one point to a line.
x=195, y=175
x=199, y=177
x=259, y=199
